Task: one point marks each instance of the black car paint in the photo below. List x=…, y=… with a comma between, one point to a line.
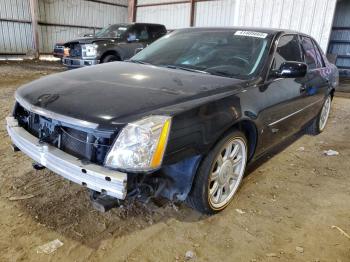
x=203, y=107
x=119, y=47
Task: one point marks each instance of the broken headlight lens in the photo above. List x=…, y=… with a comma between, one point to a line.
x=140, y=145
x=89, y=50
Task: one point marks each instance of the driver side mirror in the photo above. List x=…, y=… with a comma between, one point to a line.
x=290, y=70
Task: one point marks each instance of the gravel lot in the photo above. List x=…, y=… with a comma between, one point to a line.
x=293, y=206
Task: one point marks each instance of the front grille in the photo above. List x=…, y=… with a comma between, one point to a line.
x=71, y=62
x=89, y=145
x=75, y=50
x=74, y=142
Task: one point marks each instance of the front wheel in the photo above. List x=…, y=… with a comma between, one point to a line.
x=220, y=174
x=319, y=123
x=110, y=58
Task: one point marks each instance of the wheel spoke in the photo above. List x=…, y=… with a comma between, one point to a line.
x=234, y=176
x=213, y=190
x=218, y=195
x=220, y=161
x=228, y=151
x=215, y=175
x=234, y=152
x=227, y=188
x=237, y=161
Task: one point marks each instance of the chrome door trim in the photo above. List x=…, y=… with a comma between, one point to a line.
x=294, y=113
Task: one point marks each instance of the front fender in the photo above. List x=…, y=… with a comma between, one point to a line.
x=180, y=177
x=196, y=130
x=102, y=50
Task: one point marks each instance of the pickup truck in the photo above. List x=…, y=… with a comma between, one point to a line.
x=114, y=43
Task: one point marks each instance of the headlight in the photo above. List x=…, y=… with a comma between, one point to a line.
x=89, y=50
x=140, y=145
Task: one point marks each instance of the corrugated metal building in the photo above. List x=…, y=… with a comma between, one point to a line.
x=313, y=17
x=62, y=20
x=15, y=27
x=340, y=37
x=58, y=20
x=80, y=16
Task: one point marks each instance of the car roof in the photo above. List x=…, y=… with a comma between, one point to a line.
x=129, y=24
x=146, y=24
x=270, y=31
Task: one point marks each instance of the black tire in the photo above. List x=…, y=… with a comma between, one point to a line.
x=198, y=197
x=110, y=58
x=313, y=128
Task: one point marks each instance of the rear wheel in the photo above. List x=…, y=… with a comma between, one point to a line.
x=319, y=123
x=219, y=175
x=110, y=58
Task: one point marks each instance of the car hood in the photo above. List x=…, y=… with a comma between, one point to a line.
x=90, y=40
x=117, y=93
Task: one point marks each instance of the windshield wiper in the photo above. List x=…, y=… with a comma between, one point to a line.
x=222, y=73
x=185, y=68
x=137, y=62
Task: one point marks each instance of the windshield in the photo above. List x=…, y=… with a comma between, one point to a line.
x=228, y=53
x=115, y=31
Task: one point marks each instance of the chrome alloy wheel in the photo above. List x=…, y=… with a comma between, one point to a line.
x=227, y=172
x=325, y=113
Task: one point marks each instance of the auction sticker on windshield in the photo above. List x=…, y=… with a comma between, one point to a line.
x=251, y=34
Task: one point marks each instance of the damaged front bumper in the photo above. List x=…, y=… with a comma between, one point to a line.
x=95, y=177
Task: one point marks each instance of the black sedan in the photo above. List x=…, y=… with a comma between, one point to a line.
x=182, y=118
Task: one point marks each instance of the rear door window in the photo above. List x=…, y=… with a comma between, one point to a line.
x=288, y=49
x=319, y=58
x=157, y=31
x=138, y=32
x=309, y=52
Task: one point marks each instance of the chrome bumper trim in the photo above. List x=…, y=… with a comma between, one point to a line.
x=76, y=62
x=90, y=175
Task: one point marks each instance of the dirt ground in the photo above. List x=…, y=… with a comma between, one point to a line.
x=286, y=210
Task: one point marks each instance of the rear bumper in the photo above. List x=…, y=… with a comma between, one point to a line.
x=98, y=178
x=76, y=62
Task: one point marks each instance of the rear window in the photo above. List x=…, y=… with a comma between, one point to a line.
x=319, y=58
x=157, y=31
x=309, y=53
